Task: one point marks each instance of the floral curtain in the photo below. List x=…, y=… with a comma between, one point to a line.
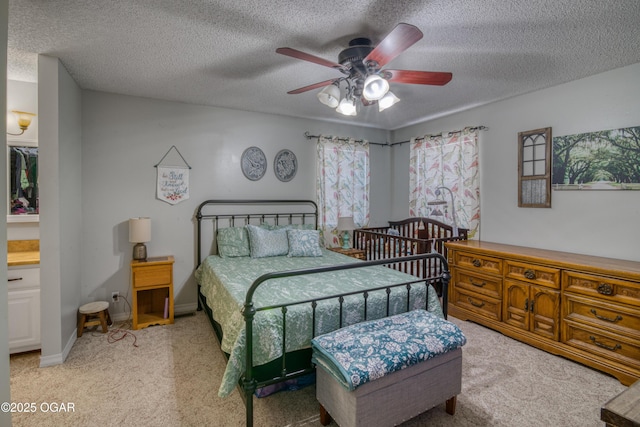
x=451, y=161
x=342, y=184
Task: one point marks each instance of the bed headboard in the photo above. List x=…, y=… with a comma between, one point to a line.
x=214, y=214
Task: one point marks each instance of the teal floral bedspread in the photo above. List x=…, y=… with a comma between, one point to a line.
x=225, y=281
x=360, y=353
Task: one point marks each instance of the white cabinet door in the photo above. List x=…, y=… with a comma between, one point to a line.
x=24, y=309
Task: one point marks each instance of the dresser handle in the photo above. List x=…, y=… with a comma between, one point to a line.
x=476, y=263
x=606, y=347
x=528, y=305
x=477, y=284
x=605, y=289
x=608, y=319
x=14, y=279
x=475, y=304
x=530, y=274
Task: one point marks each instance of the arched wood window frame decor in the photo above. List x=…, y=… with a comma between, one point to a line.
x=534, y=168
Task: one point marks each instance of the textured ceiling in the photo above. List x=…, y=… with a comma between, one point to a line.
x=222, y=52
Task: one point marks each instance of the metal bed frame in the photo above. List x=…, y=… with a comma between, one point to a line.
x=249, y=383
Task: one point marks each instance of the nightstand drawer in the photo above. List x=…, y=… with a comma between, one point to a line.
x=602, y=288
x=532, y=273
x=151, y=276
x=481, y=263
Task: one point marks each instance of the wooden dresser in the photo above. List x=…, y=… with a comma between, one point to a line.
x=582, y=307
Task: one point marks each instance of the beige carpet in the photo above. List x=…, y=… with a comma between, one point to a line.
x=172, y=378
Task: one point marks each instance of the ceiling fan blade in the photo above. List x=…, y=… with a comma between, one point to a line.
x=311, y=87
x=418, y=77
x=294, y=53
x=397, y=41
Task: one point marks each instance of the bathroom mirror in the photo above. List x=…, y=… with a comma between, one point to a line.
x=22, y=182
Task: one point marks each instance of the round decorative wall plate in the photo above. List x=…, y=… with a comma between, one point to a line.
x=285, y=165
x=253, y=163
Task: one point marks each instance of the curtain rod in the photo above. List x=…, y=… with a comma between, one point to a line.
x=386, y=144
x=451, y=133
x=360, y=141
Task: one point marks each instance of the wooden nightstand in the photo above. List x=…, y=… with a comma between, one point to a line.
x=354, y=253
x=152, y=284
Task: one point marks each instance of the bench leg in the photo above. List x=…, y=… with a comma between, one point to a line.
x=451, y=406
x=325, y=418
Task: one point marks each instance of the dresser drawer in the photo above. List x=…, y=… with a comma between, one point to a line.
x=602, y=288
x=544, y=276
x=486, y=306
x=611, y=346
x=151, y=276
x=486, y=285
x=480, y=263
x=614, y=318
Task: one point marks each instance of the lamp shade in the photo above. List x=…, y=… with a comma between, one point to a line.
x=345, y=223
x=24, y=118
x=375, y=87
x=387, y=101
x=330, y=96
x=346, y=107
x=140, y=230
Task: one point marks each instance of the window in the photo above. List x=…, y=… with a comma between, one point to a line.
x=342, y=184
x=451, y=161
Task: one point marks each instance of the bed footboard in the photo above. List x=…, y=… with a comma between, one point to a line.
x=250, y=384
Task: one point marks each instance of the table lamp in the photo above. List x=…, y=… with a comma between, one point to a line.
x=345, y=223
x=140, y=233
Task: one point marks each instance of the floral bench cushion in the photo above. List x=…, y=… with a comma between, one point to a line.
x=366, y=351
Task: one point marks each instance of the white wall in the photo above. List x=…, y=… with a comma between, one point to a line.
x=5, y=383
x=124, y=137
x=603, y=223
x=61, y=219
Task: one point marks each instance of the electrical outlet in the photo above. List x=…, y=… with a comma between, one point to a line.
x=115, y=296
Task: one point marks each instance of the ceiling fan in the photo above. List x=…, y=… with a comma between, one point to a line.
x=365, y=79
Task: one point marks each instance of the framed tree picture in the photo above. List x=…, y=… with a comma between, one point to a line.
x=534, y=168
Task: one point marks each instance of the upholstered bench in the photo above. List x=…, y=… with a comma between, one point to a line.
x=384, y=372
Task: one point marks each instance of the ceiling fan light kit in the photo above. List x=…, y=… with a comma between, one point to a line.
x=347, y=107
x=330, y=95
x=387, y=101
x=365, y=79
x=375, y=87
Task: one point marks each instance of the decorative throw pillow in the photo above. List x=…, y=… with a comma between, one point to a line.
x=233, y=242
x=304, y=243
x=265, y=243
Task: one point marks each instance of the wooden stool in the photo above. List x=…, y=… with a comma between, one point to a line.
x=94, y=314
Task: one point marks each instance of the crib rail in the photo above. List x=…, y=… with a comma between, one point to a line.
x=408, y=237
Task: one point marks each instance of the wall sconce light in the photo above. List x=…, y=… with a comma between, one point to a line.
x=139, y=233
x=24, y=120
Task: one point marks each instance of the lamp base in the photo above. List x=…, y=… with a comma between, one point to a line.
x=345, y=240
x=140, y=252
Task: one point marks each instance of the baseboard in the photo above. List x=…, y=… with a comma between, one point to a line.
x=58, y=359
